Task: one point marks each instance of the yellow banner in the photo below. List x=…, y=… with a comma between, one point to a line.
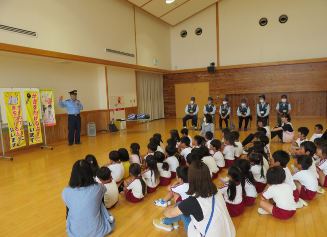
x=15, y=119
x=33, y=117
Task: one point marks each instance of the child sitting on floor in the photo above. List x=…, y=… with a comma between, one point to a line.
x=124, y=158
x=322, y=167
x=156, y=140
x=152, y=148
x=318, y=132
x=318, y=142
x=174, y=135
x=134, y=188
x=248, y=182
x=151, y=175
x=177, y=190
x=173, y=142
x=94, y=164
x=111, y=195
x=158, y=135
x=185, y=145
x=232, y=191
x=265, y=140
x=305, y=181
x=115, y=166
x=163, y=167
x=135, y=154
x=184, y=133
x=209, y=161
x=217, y=155
x=223, y=133
x=258, y=147
x=197, y=141
x=239, y=148
x=208, y=137
x=302, y=137
x=280, y=195
x=229, y=149
x=171, y=160
x=258, y=170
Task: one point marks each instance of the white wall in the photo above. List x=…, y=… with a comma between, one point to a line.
x=195, y=51
x=243, y=40
x=30, y=71
x=153, y=41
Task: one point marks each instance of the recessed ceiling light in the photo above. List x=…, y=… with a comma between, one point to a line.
x=170, y=1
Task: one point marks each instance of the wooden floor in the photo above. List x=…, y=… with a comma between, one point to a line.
x=31, y=186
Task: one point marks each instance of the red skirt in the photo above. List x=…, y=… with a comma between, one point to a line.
x=281, y=213
x=151, y=190
x=183, y=162
x=130, y=197
x=236, y=157
x=260, y=186
x=173, y=174
x=296, y=195
x=235, y=209
x=214, y=175
x=164, y=181
x=228, y=163
x=220, y=169
x=307, y=194
x=248, y=201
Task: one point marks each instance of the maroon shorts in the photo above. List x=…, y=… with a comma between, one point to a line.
x=325, y=184
x=214, y=175
x=112, y=206
x=173, y=174
x=151, y=190
x=183, y=162
x=248, y=201
x=220, y=169
x=281, y=213
x=235, y=209
x=236, y=157
x=179, y=199
x=164, y=181
x=228, y=163
x=296, y=195
x=307, y=194
x=130, y=197
x=260, y=186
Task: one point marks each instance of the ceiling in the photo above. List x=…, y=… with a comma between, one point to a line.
x=175, y=12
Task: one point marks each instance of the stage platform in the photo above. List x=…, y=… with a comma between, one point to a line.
x=31, y=186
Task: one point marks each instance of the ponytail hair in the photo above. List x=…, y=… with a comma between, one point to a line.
x=160, y=158
x=236, y=173
x=135, y=170
x=259, y=147
x=136, y=150
x=230, y=138
x=152, y=165
x=93, y=162
x=257, y=159
x=245, y=166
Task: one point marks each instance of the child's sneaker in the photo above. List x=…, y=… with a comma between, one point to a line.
x=224, y=180
x=169, y=202
x=321, y=190
x=160, y=203
x=158, y=223
x=262, y=211
x=294, y=168
x=175, y=224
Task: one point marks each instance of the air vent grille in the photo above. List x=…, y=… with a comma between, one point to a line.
x=119, y=52
x=18, y=31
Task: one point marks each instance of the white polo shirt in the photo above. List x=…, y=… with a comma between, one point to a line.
x=149, y=153
x=314, y=136
x=256, y=171
x=238, y=149
x=299, y=141
x=136, y=187
x=267, y=150
x=181, y=189
x=265, y=164
x=117, y=171
x=190, y=139
x=173, y=163
x=323, y=166
x=313, y=169
x=289, y=178
x=282, y=194
x=150, y=180
x=307, y=179
x=111, y=196
x=160, y=149
x=238, y=198
x=210, y=162
x=219, y=159
x=229, y=152
x=163, y=173
x=186, y=151
x=208, y=143
x=250, y=189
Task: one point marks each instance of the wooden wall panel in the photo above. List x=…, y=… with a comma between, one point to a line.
x=60, y=130
x=131, y=110
x=299, y=78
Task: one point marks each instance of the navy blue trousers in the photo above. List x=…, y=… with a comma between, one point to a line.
x=74, y=124
x=194, y=120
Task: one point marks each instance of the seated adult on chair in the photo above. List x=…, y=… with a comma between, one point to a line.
x=191, y=111
x=283, y=108
x=263, y=108
x=210, y=108
x=224, y=112
x=243, y=113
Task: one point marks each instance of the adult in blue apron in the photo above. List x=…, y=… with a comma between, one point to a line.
x=191, y=111
x=283, y=107
x=73, y=107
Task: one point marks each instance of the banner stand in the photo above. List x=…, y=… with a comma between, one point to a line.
x=3, y=148
x=45, y=137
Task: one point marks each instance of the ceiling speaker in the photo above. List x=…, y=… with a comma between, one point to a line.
x=283, y=19
x=263, y=21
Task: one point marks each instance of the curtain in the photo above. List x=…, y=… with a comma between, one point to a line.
x=150, y=94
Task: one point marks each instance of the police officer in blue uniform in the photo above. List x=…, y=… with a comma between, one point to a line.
x=209, y=108
x=224, y=112
x=73, y=107
x=191, y=111
x=243, y=113
x=263, y=108
x=283, y=107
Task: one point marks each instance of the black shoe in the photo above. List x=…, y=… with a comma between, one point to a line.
x=70, y=144
x=78, y=143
